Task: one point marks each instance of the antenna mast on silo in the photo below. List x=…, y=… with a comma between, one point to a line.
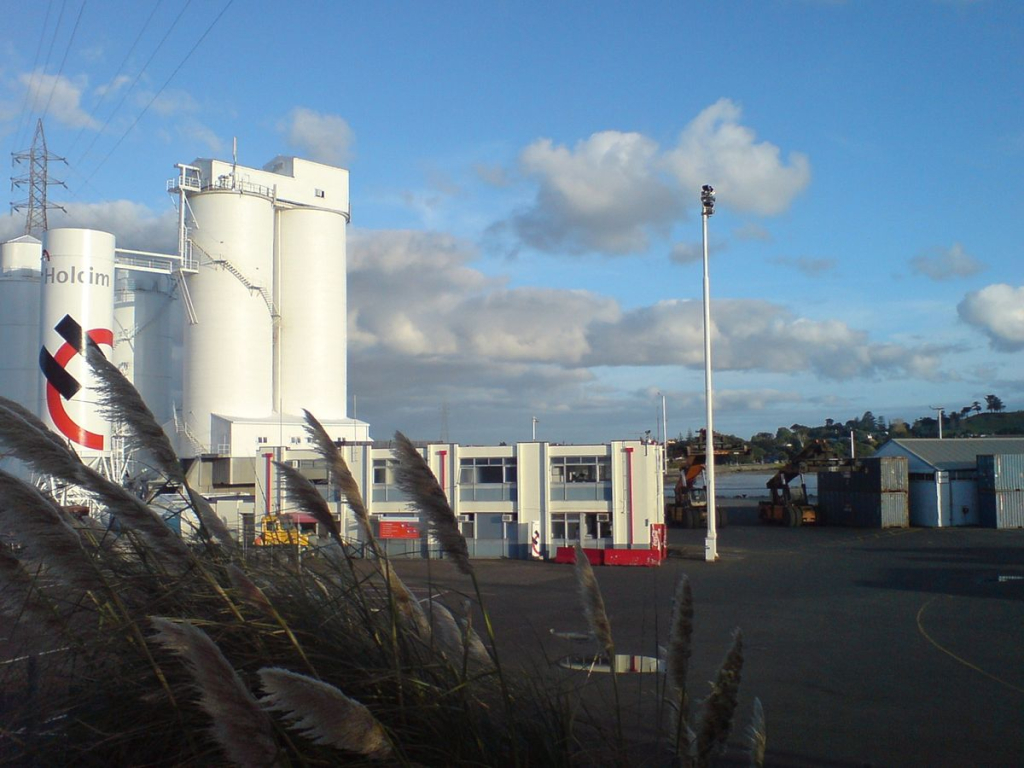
x=37, y=180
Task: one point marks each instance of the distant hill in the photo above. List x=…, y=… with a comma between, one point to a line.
x=869, y=433
x=1003, y=424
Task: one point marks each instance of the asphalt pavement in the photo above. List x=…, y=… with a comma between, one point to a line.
x=901, y=647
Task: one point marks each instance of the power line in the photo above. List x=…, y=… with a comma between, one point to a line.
x=63, y=61
x=162, y=87
x=103, y=96
x=132, y=86
x=25, y=115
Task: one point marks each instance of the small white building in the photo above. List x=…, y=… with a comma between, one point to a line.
x=944, y=476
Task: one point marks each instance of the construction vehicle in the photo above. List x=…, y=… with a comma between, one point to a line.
x=789, y=504
x=287, y=529
x=689, y=508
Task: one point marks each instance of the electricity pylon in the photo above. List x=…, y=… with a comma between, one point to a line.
x=37, y=180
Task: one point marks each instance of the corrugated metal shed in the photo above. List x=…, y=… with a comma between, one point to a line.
x=950, y=454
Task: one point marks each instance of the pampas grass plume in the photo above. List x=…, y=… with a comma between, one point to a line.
x=20, y=411
x=342, y=474
x=593, y=603
x=239, y=725
x=301, y=492
x=44, y=530
x=680, y=637
x=720, y=705
x=120, y=401
x=413, y=476
x=408, y=607
x=323, y=713
x=757, y=734
x=248, y=590
x=20, y=598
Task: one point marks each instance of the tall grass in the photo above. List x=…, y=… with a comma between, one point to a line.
x=145, y=648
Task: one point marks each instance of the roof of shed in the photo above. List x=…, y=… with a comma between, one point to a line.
x=958, y=453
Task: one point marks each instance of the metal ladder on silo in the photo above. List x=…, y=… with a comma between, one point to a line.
x=252, y=287
x=181, y=428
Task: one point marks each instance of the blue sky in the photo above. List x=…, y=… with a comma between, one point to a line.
x=525, y=177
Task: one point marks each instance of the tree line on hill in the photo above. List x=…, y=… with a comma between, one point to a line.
x=868, y=433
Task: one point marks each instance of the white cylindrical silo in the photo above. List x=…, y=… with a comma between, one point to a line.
x=21, y=254
x=19, y=321
x=124, y=324
x=76, y=300
x=311, y=291
x=146, y=321
x=228, y=353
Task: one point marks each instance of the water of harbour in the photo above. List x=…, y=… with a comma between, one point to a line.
x=746, y=485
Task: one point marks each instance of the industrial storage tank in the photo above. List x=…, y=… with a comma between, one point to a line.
x=147, y=319
x=19, y=320
x=228, y=366
x=76, y=300
x=311, y=294
x=874, y=493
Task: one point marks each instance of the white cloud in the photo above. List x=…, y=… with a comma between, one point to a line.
x=946, y=264
x=321, y=137
x=426, y=327
x=195, y=131
x=611, y=192
x=113, y=86
x=132, y=224
x=417, y=294
x=748, y=176
x=998, y=312
x=603, y=195
x=59, y=97
x=754, y=399
x=492, y=175
x=169, y=103
x=687, y=253
x=751, y=335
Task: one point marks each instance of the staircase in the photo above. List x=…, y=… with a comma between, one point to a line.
x=253, y=288
x=181, y=427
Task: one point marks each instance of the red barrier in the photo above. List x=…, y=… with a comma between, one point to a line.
x=641, y=557
x=568, y=555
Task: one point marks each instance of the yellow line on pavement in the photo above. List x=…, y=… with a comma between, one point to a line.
x=949, y=653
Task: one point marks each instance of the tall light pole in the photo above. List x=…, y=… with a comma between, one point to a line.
x=941, y=410
x=664, y=436
x=707, y=199
x=534, y=419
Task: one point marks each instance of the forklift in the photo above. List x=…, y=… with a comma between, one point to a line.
x=788, y=504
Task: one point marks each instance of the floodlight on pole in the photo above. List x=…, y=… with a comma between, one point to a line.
x=707, y=199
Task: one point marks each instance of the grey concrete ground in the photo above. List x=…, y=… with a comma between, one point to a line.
x=866, y=648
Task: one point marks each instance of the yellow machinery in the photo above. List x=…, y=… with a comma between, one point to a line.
x=690, y=507
x=789, y=504
x=288, y=529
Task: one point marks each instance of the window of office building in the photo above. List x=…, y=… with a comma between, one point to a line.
x=581, y=478
x=483, y=478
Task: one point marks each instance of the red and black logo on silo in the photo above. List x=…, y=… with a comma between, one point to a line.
x=61, y=385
